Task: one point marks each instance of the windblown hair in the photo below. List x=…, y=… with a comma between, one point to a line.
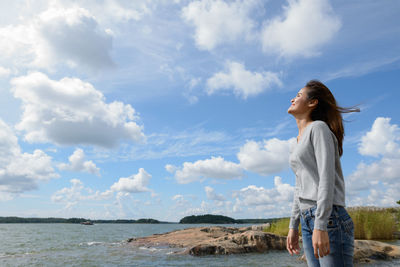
x=327, y=109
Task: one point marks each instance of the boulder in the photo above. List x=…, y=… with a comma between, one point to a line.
x=368, y=250
x=215, y=240
x=245, y=242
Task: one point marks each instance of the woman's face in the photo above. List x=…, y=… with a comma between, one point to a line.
x=300, y=104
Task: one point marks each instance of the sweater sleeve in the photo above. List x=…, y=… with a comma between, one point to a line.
x=295, y=217
x=324, y=149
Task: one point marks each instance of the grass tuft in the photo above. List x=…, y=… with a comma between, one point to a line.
x=280, y=227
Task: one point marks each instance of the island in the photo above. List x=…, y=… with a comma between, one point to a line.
x=220, y=219
x=72, y=220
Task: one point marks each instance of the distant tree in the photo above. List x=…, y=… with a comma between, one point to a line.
x=208, y=218
x=147, y=221
x=398, y=202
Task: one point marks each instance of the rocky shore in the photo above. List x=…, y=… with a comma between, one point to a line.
x=218, y=240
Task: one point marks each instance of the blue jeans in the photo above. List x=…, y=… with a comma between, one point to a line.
x=341, y=238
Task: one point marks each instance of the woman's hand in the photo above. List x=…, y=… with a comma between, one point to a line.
x=292, y=242
x=320, y=241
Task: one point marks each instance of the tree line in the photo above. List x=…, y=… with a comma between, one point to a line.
x=220, y=219
x=70, y=220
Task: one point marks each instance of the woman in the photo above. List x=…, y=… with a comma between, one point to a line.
x=319, y=199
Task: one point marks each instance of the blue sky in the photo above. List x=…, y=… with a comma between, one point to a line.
x=163, y=109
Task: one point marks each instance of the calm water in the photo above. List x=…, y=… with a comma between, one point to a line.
x=105, y=245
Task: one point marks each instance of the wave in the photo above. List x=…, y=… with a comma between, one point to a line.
x=14, y=255
x=97, y=243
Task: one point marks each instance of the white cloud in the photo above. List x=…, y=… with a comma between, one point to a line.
x=133, y=184
x=120, y=11
x=19, y=46
x=242, y=82
x=269, y=157
x=366, y=175
x=81, y=201
x=77, y=163
x=253, y=195
x=72, y=35
x=305, y=26
x=272, y=201
x=112, y=11
x=170, y=168
x=378, y=178
x=382, y=139
x=19, y=171
x=385, y=196
x=216, y=167
x=265, y=158
x=72, y=112
x=4, y=72
x=177, y=197
x=72, y=196
x=211, y=195
x=218, y=22
x=57, y=36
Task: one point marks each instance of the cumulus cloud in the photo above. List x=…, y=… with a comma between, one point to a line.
x=77, y=192
x=384, y=170
x=121, y=190
x=4, y=72
x=67, y=36
x=211, y=195
x=19, y=171
x=72, y=112
x=382, y=139
x=133, y=184
x=78, y=163
x=305, y=26
x=381, y=176
x=72, y=35
x=242, y=82
x=20, y=39
x=276, y=200
x=253, y=195
x=267, y=157
x=218, y=22
x=216, y=167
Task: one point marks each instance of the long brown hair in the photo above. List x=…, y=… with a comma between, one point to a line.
x=327, y=109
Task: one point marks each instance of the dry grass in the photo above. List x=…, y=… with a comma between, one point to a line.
x=371, y=223
x=280, y=227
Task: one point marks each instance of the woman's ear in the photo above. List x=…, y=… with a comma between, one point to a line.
x=313, y=103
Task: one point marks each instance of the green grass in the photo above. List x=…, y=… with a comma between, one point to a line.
x=369, y=223
x=280, y=227
x=374, y=223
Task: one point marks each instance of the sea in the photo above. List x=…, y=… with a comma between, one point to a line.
x=106, y=245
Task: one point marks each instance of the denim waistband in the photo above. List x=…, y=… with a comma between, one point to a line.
x=336, y=210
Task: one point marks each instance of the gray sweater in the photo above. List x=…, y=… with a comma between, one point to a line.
x=319, y=179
